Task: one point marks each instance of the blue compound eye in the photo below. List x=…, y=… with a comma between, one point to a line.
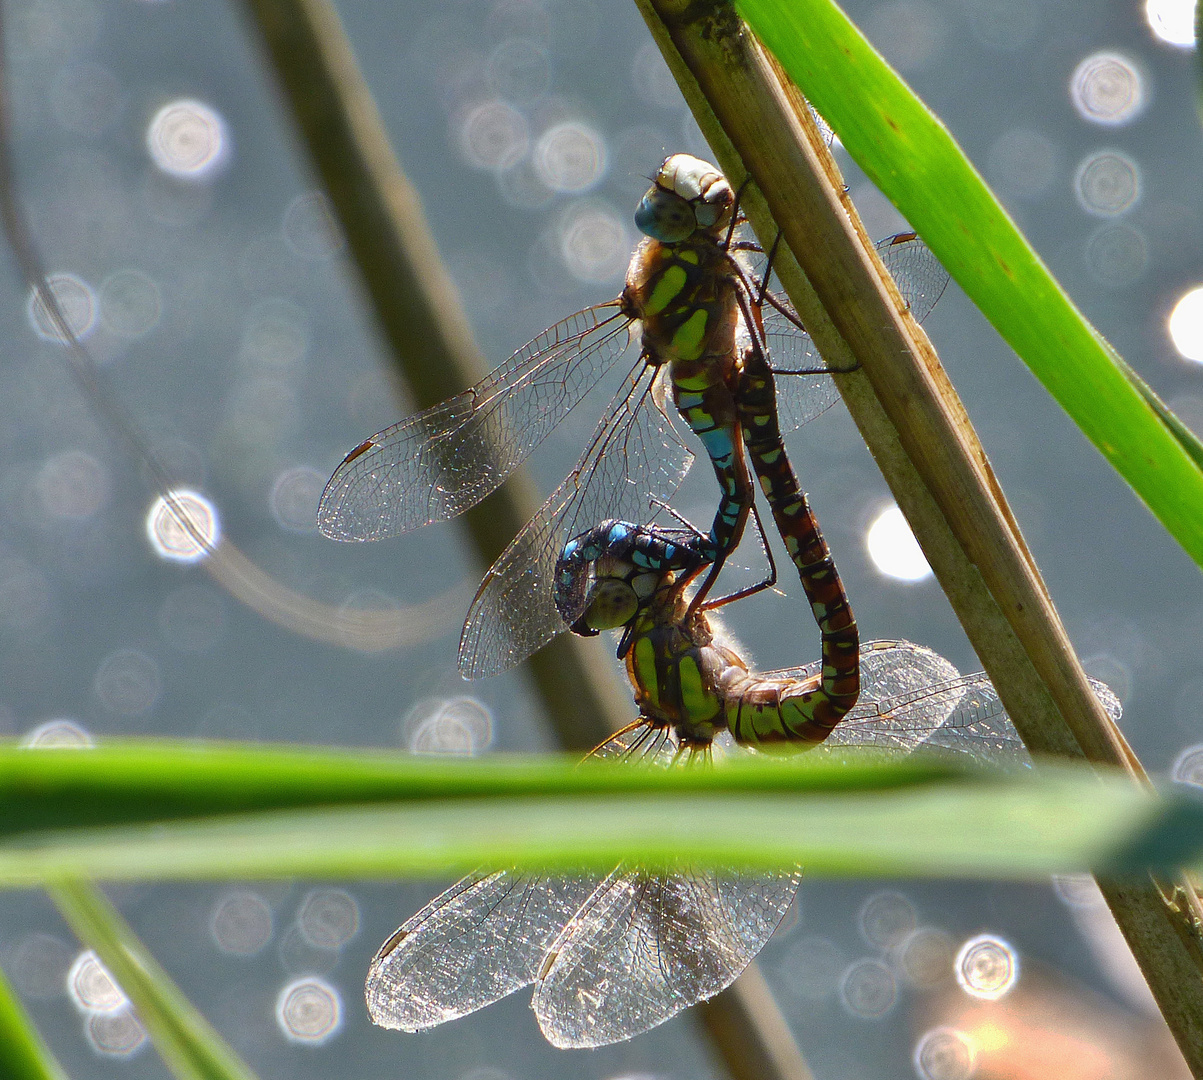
x=665, y=217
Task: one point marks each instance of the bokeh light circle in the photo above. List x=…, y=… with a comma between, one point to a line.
x=493, y=135
x=130, y=303
x=1186, y=324
x=128, y=682
x=925, y=956
x=457, y=726
x=885, y=918
x=76, y=302
x=188, y=140
x=986, y=967
x=168, y=536
x=91, y=987
x=594, y=243
x=241, y=923
x=868, y=989
x=1117, y=254
x=1107, y=88
x=1107, y=183
x=328, y=918
x=944, y=1053
x=72, y=486
x=59, y=734
x=893, y=548
x=1188, y=766
x=118, y=1034
x=570, y=157
x=309, y=1010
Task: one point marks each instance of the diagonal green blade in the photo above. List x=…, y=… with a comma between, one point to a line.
x=23, y=1055
x=911, y=156
x=185, y=1040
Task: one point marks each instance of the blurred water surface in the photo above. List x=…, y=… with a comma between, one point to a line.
x=191, y=248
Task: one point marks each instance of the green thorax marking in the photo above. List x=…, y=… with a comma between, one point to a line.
x=666, y=290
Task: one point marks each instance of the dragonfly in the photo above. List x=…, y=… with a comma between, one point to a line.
x=614, y=955
x=684, y=315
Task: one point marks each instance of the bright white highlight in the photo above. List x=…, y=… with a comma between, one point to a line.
x=1107, y=88
x=986, y=967
x=170, y=538
x=944, y=1053
x=1172, y=21
x=188, y=140
x=91, y=987
x=309, y=1010
x=1186, y=325
x=57, y=735
x=893, y=548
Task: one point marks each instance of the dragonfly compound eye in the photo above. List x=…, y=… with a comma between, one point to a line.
x=665, y=216
x=612, y=603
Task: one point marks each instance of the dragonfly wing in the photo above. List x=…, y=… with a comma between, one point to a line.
x=439, y=462
x=646, y=945
x=482, y=939
x=911, y=697
x=635, y=460
x=979, y=726
x=800, y=398
x=919, y=275
x=1111, y=704
x=921, y=281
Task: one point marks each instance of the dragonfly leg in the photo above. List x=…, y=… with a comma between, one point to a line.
x=767, y=583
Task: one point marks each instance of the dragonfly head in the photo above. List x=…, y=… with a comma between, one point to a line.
x=689, y=196
x=596, y=580
x=606, y=576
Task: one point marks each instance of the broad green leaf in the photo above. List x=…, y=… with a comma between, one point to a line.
x=127, y=781
x=185, y=1040
x=255, y=812
x=911, y=156
x=23, y=1055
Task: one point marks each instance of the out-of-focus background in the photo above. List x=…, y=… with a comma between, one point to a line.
x=188, y=241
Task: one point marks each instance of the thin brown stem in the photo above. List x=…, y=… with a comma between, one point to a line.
x=416, y=305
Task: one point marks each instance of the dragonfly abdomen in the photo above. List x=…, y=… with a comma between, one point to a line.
x=761, y=711
x=839, y=684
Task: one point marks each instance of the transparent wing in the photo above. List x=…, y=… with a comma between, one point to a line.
x=487, y=935
x=980, y=727
x=921, y=280
x=482, y=939
x=648, y=944
x=439, y=462
x=911, y=697
x=919, y=275
x=635, y=460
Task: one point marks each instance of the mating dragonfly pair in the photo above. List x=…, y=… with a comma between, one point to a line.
x=615, y=956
